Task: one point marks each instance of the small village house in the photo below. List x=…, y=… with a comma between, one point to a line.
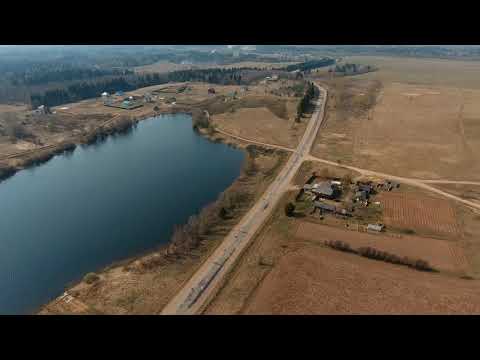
x=375, y=227
x=325, y=189
x=361, y=196
x=41, y=110
x=324, y=207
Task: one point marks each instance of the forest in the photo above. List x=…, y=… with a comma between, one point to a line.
x=82, y=90
x=309, y=65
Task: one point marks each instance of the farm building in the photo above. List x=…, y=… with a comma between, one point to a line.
x=307, y=187
x=147, y=97
x=125, y=104
x=366, y=188
x=375, y=227
x=41, y=110
x=361, y=196
x=326, y=190
x=390, y=185
x=324, y=207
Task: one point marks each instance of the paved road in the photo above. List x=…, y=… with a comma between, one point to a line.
x=203, y=284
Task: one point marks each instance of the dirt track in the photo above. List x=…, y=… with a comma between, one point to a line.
x=255, y=142
x=410, y=181
x=414, y=182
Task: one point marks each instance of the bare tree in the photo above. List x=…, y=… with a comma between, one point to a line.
x=14, y=128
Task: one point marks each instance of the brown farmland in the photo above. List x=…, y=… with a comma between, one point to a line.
x=316, y=280
x=441, y=254
x=418, y=212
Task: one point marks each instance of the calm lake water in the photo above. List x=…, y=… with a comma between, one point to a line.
x=104, y=202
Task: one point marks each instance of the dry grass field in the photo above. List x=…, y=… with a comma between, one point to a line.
x=424, y=121
x=263, y=125
x=415, y=71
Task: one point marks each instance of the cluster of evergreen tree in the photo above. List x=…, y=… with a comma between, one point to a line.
x=349, y=69
x=46, y=74
x=90, y=89
x=305, y=101
x=346, y=68
x=81, y=90
x=309, y=65
x=221, y=76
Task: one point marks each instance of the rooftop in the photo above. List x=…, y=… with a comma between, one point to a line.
x=324, y=188
x=361, y=195
x=321, y=205
x=375, y=227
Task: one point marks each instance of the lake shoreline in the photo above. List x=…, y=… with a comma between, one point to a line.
x=40, y=156
x=101, y=133
x=162, y=256
x=106, y=140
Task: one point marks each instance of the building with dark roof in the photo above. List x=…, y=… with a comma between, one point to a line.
x=360, y=196
x=322, y=206
x=326, y=190
x=367, y=188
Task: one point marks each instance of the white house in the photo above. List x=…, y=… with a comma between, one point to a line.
x=375, y=227
x=40, y=110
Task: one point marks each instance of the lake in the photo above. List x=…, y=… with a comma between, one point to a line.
x=104, y=202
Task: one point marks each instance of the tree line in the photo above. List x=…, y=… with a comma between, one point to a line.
x=232, y=76
x=309, y=65
x=45, y=74
x=82, y=90
x=91, y=89
x=305, y=101
x=351, y=69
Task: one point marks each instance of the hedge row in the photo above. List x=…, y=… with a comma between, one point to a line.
x=372, y=253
